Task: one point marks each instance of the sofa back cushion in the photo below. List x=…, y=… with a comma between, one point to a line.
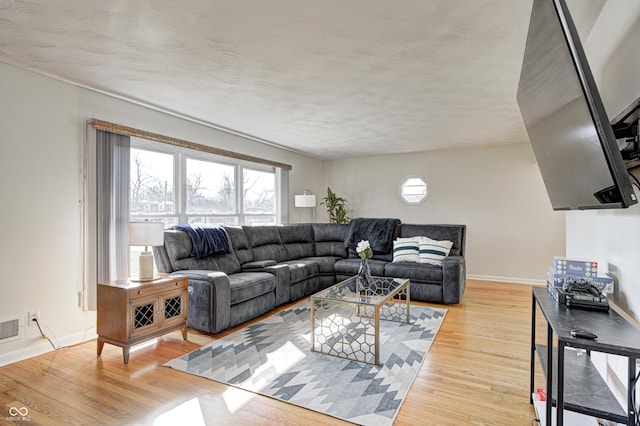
x=178, y=247
x=297, y=240
x=239, y=244
x=453, y=233
x=163, y=263
x=329, y=239
x=265, y=243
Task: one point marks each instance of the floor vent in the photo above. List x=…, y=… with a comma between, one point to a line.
x=9, y=329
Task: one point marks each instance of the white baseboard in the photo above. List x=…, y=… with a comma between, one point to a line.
x=42, y=346
x=513, y=280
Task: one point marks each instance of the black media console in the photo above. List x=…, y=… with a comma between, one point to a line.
x=572, y=381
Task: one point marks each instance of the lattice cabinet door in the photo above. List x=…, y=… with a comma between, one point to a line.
x=173, y=308
x=144, y=316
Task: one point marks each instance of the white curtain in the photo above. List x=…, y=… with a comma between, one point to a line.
x=282, y=176
x=106, y=212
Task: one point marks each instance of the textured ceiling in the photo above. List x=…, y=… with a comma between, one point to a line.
x=330, y=79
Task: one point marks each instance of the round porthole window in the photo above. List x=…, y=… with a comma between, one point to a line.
x=414, y=190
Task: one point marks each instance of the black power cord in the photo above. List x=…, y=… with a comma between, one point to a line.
x=44, y=336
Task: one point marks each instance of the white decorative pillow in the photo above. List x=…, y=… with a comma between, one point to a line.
x=406, y=250
x=432, y=251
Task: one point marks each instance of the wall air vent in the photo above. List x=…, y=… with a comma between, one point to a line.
x=9, y=329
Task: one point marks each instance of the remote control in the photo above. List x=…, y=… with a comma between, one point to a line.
x=583, y=334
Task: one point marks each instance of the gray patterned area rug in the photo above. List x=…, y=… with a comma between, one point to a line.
x=273, y=358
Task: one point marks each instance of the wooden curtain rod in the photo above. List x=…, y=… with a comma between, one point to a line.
x=130, y=131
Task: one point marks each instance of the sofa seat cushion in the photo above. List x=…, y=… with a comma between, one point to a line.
x=351, y=266
x=301, y=269
x=247, y=285
x=419, y=272
x=325, y=263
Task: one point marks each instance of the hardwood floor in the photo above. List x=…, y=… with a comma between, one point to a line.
x=476, y=373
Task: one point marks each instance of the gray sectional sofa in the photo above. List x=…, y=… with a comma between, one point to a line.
x=272, y=265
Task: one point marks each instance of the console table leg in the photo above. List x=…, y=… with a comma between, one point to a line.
x=549, y=373
x=631, y=404
x=533, y=348
x=100, y=346
x=408, y=294
x=184, y=332
x=560, y=395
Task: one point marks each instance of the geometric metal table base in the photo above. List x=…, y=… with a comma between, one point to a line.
x=345, y=318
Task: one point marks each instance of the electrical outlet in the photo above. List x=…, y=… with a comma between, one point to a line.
x=33, y=316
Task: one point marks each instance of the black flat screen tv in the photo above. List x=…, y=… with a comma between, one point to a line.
x=570, y=133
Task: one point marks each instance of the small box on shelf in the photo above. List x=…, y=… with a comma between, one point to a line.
x=581, y=267
x=603, y=283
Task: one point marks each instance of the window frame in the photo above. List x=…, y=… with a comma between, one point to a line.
x=401, y=187
x=180, y=157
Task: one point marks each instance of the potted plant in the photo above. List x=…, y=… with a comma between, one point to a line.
x=336, y=207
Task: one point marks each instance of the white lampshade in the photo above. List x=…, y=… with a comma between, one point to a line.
x=146, y=233
x=305, y=200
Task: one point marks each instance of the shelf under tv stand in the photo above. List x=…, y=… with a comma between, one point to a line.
x=583, y=384
x=581, y=388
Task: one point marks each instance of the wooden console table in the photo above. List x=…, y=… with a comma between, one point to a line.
x=130, y=312
x=572, y=381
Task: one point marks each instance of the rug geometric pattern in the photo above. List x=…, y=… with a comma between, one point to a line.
x=273, y=358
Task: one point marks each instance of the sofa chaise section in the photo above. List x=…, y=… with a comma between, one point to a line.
x=431, y=283
x=221, y=294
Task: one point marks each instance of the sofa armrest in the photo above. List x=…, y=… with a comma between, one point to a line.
x=453, y=279
x=283, y=285
x=209, y=300
x=257, y=265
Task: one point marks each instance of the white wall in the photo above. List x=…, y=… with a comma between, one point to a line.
x=498, y=192
x=612, y=237
x=42, y=125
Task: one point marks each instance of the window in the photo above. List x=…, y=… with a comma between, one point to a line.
x=210, y=187
x=259, y=197
x=178, y=185
x=136, y=175
x=151, y=187
x=414, y=190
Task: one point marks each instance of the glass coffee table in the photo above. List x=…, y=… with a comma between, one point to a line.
x=345, y=318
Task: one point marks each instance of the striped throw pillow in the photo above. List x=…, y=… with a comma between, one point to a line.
x=432, y=251
x=405, y=250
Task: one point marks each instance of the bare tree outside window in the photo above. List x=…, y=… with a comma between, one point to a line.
x=259, y=192
x=151, y=182
x=210, y=187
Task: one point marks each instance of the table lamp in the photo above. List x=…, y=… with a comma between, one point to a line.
x=146, y=234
